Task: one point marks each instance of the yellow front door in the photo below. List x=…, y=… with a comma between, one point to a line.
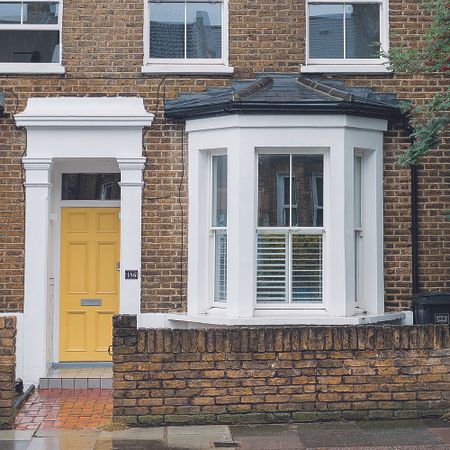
x=89, y=282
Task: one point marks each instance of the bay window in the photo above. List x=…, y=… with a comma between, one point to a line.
x=276, y=228
x=30, y=33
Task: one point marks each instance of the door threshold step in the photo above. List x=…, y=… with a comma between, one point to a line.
x=75, y=383
x=78, y=376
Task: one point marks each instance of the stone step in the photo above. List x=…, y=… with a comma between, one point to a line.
x=78, y=376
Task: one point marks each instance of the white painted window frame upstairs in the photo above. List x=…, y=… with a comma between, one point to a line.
x=33, y=68
x=349, y=65
x=187, y=65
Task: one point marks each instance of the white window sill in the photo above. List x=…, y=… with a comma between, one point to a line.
x=313, y=318
x=31, y=68
x=189, y=69
x=354, y=68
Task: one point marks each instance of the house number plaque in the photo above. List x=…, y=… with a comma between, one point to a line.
x=131, y=274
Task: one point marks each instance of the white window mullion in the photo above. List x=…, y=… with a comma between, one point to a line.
x=290, y=190
x=345, y=31
x=289, y=267
x=185, y=30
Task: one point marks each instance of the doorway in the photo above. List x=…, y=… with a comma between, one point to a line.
x=89, y=282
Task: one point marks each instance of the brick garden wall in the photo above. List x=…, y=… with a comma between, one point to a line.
x=102, y=55
x=7, y=369
x=248, y=375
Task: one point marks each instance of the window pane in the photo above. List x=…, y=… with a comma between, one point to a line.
x=9, y=13
x=29, y=46
x=40, y=13
x=220, y=270
x=326, y=31
x=219, y=194
x=204, y=30
x=272, y=171
x=307, y=172
x=90, y=186
x=167, y=30
x=271, y=267
x=362, y=23
x=306, y=268
x=357, y=190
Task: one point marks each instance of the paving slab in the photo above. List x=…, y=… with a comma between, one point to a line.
x=123, y=444
x=442, y=433
x=149, y=434
x=198, y=437
x=326, y=426
x=15, y=435
x=199, y=429
x=67, y=434
x=14, y=445
x=389, y=424
x=282, y=441
x=67, y=443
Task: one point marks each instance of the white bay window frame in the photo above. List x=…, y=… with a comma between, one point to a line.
x=348, y=65
x=246, y=136
x=187, y=65
x=32, y=67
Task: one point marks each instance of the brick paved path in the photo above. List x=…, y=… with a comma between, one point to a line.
x=65, y=409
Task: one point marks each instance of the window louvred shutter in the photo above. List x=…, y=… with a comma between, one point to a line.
x=271, y=267
x=306, y=268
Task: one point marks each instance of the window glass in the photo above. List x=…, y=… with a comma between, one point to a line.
x=29, y=46
x=10, y=13
x=289, y=258
x=220, y=266
x=326, y=31
x=306, y=268
x=273, y=179
x=309, y=195
x=167, y=30
x=32, y=35
x=186, y=30
x=40, y=13
x=362, y=31
x=219, y=204
x=332, y=23
x=204, y=30
x=358, y=191
x=219, y=223
x=90, y=186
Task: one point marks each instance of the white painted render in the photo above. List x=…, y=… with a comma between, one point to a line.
x=99, y=134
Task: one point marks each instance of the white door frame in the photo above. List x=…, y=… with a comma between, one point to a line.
x=63, y=131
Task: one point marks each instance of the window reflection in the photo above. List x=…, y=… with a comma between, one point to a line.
x=90, y=186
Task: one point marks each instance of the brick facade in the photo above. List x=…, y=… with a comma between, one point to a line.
x=7, y=370
x=102, y=54
x=249, y=375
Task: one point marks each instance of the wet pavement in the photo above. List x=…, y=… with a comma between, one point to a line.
x=65, y=409
x=406, y=435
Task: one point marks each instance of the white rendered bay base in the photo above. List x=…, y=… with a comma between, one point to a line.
x=180, y=320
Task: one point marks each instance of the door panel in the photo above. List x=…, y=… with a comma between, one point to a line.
x=89, y=282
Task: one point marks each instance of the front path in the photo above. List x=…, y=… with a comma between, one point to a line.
x=65, y=409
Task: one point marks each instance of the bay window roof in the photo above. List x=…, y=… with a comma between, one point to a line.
x=284, y=93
